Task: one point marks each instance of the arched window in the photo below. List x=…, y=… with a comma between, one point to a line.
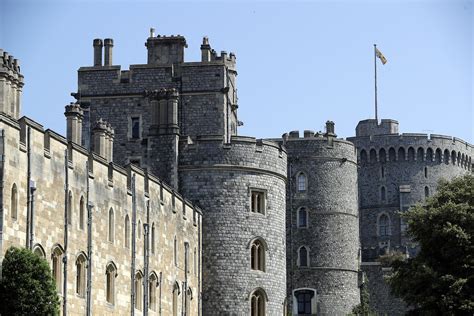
x=14, y=202
x=39, y=251
x=257, y=303
x=302, y=218
x=384, y=225
x=69, y=208
x=81, y=275
x=189, y=297
x=391, y=154
x=303, y=257
x=152, y=285
x=446, y=156
x=111, y=225
x=127, y=231
x=427, y=192
x=459, y=161
x=363, y=156
x=401, y=154
x=304, y=299
x=383, y=194
x=153, y=238
x=453, y=157
x=111, y=274
x=138, y=290
x=411, y=154
x=176, y=293
x=438, y=156
x=420, y=154
x=426, y=172
x=429, y=154
x=302, y=182
x=382, y=155
x=81, y=214
x=57, y=264
x=257, y=255
x=373, y=155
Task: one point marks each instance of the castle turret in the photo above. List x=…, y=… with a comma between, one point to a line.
x=322, y=224
x=11, y=84
x=372, y=127
x=163, y=50
x=97, y=43
x=74, y=116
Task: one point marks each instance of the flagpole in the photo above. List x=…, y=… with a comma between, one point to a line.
x=375, y=79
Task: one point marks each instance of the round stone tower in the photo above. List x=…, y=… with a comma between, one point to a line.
x=396, y=171
x=241, y=188
x=322, y=224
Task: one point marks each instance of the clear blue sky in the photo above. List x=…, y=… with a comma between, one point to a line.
x=299, y=63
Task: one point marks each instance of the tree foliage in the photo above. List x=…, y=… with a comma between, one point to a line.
x=440, y=279
x=363, y=308
x=27, y=286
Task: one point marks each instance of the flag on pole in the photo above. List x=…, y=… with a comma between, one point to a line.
x=380, y=56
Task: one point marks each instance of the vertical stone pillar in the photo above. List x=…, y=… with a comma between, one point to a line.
x=108, y=45
x=172, y=123
x=99, y=131
x=111, y=143
x=97, y=52
x=74, y=117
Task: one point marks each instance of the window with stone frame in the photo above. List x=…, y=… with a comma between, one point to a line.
x=110, y=274
x=257, y=303
x=257, y=255
x=152, y=285
x=82, y=215
x=257, y=201
x=302, y=218
x=57, y=264
x=138, y=290
x=384, y=225
x=135, y=127
x=303, y=257
x=14, y=202
x=304, y=299
x=302, y=182
x=81, y=275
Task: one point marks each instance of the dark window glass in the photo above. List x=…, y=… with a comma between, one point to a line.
x=304, y=302
x=135, y=127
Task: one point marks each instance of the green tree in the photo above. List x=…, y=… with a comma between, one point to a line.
x=440, y=279
x=363, y=308
x=27, y=286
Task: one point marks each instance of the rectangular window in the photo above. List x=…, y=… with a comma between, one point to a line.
x=135, y=127
x=258, y=202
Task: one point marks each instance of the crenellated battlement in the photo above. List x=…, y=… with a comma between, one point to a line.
x=49, y=149
x=415, y=147
x=240, y=152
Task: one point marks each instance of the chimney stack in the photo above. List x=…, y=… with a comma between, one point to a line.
x=99, y=136
x=97, y=52
x=205, y=50
x=108, y=45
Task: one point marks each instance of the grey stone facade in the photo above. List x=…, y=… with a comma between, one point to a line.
x=179, y=120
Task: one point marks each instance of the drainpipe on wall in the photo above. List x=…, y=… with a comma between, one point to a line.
x=89, y=206
x=2, y=185
x=134, y=220
x=28, y=193
x=66, y=206
x=146, y=258
x=199, y=267
x=32, y=213
x=161, y=285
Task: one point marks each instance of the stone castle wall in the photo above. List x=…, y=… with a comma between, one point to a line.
x=171, y=217
x=331, y=234
x=220, y=177
x=408, y=168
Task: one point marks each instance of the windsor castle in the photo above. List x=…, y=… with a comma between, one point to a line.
x=153, y=204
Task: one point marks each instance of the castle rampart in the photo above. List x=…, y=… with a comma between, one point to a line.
x=55, y=206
